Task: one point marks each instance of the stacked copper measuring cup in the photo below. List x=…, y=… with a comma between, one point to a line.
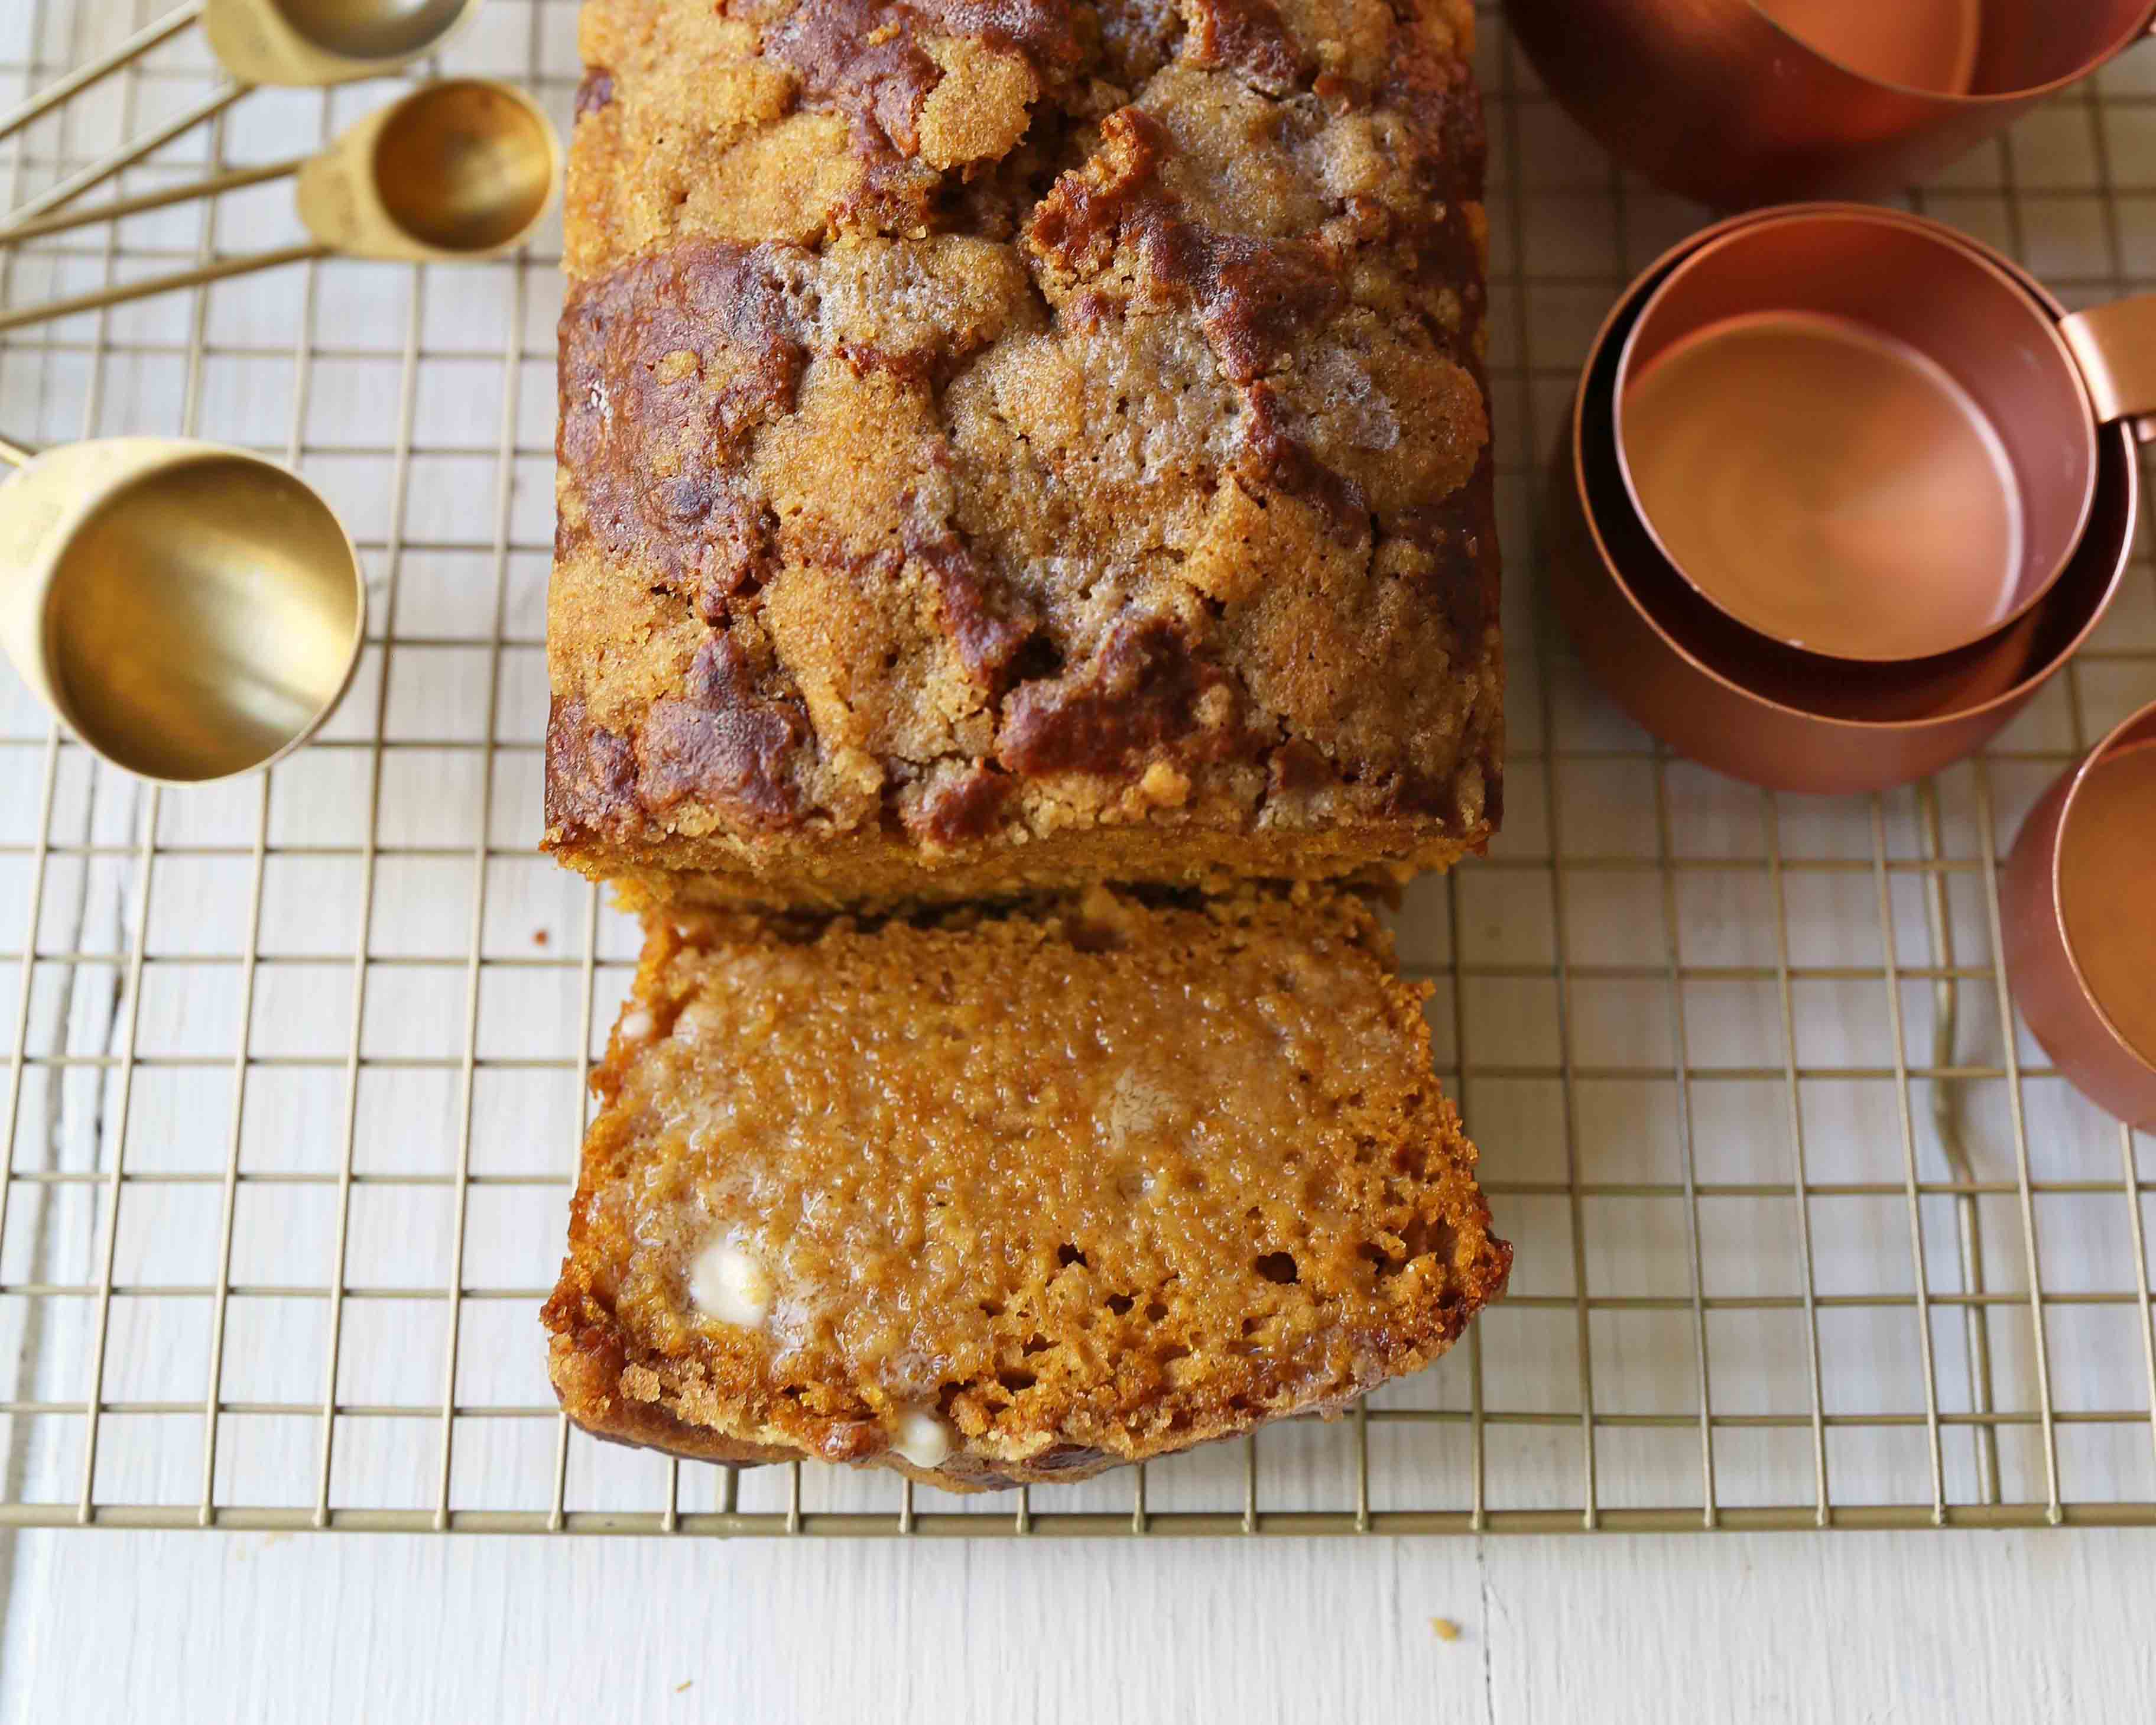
x=1844, y=488
x=1837, y=502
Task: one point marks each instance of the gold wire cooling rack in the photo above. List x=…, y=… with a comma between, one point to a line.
x=294, y=1073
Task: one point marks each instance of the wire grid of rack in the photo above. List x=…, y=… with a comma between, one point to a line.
x=1806, y=1235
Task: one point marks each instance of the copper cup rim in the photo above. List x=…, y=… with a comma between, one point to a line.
x=2044, y=314
x=1635, y=297
x=2141, y=26
x=2120, y=736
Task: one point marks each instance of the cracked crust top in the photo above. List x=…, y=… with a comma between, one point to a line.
x=998, y=420
x=965, y=1180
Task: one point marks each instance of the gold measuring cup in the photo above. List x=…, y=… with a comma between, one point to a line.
x=287, y=42
x=461, y=169
x=190, y=611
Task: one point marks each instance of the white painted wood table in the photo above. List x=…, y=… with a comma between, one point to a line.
x=1917, y=1627
x=294, y=1086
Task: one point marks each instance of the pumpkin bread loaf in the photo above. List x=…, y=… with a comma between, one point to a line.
x=1008, y=445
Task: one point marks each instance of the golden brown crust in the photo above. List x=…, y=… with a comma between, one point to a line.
x=1077, y=1182
x=990, y=428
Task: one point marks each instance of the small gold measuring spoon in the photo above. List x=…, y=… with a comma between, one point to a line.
x=461, y=169
x=190, y=611
x=287, y=42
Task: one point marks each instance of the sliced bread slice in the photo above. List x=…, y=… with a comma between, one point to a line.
x=999, y=1196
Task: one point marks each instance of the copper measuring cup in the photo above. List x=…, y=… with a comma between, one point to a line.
x=1748, y=706
x=2078, y=904
x=1855, y=432
x=290, y=43
x=1737, y=102
x=458, y=170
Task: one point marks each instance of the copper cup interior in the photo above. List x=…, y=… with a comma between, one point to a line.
x=1904, y=694
x=2106, y=884
x=1854, y=435
x=1918, y=45
x=2026, y=44
x=1961, y=47
x=1987, y=674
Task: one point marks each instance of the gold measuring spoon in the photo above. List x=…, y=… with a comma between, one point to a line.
x=190, y=611
x=288, y=43
x=458, y=170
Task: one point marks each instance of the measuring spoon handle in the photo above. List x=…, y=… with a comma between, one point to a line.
x=119, y=295
x=134, y=48
x=232, y=181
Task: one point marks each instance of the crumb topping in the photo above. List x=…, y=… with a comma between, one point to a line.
x=972, y=409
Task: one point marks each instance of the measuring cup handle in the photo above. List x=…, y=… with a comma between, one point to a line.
x=2115, y=346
